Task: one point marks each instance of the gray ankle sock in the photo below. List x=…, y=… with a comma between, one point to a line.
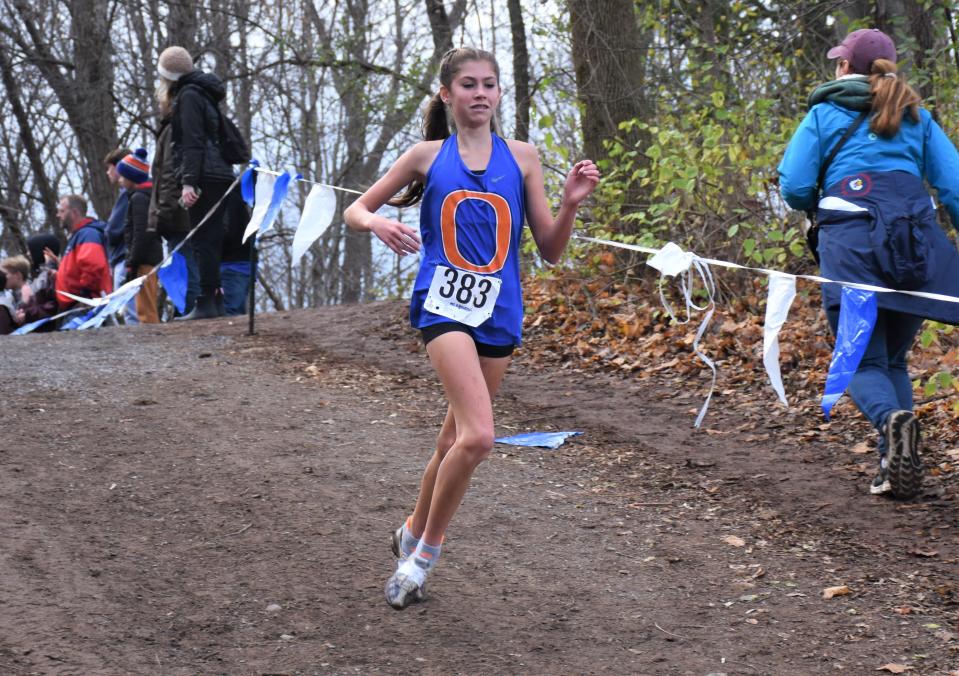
x=408, y=542
x=426, y=555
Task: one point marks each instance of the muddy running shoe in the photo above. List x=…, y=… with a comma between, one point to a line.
x=402, y=542
x=904, y=466
x=406, y=585
x=396, y=537
x=881, y=484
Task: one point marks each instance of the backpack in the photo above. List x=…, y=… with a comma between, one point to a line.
x=233, y=147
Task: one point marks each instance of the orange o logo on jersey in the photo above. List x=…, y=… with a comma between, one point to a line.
x=504, y=230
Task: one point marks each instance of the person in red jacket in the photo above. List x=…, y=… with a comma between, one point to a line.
x=84, y=268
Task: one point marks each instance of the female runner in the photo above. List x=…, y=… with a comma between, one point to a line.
x=476, y=188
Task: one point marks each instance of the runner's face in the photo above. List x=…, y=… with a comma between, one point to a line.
x=473, y=94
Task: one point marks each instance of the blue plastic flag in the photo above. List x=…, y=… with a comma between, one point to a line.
x=248, y=183
x=32, y=326
x=541, y=439
x=81, y=318
x=857, y=319
x=173, y=276
x=117, y=300
x=280, y=188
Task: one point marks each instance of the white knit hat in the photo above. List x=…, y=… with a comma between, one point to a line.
x=174, y=63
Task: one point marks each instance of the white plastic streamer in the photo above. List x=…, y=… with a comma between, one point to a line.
x=316, y=218
x=782, y=291
x=672, y=261
x=766, y=271
x=263, y=195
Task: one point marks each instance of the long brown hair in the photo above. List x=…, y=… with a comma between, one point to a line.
x=436, y=123
x=891, y=98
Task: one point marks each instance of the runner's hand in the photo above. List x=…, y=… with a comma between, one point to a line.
x=402, y=239
x=581, y=181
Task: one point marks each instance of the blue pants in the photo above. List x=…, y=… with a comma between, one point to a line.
x=193, y=274
x=236, y=288
x=881, y=384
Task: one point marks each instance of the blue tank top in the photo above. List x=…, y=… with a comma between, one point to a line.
x=472, y=221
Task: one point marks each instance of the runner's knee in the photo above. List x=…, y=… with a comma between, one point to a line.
x=444, y=442
x=476, y=444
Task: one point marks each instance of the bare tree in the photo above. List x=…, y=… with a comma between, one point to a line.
x=609, y=54
x=517, y=29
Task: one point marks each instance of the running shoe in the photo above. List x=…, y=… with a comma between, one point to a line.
x=396, y=537
x=406, y=585
x=904, y=468
x=881, y=483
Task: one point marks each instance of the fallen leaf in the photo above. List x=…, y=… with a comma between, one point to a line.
x=954, y=455
x=830, y=592
x=904, y=610
x=734, y=541
x=926, y=553
x=895, y=668
x=862, y=448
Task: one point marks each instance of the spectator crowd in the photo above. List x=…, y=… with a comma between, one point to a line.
x=157, y=207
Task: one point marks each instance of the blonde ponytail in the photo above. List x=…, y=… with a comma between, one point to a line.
x=891, y=97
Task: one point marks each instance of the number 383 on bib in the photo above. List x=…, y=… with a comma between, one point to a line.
x=466, y=293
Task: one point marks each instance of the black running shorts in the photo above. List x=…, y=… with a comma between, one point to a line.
x=482, y=349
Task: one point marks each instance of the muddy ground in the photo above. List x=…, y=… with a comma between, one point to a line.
x=186, y=499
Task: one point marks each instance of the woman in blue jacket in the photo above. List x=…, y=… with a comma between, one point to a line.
x=879, y=226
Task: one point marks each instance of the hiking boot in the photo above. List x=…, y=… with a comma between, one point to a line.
x=904, y=466
x=881, y=483
x=205, y=308
x=406, y=585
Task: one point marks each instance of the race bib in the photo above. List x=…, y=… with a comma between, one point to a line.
x=465, y=297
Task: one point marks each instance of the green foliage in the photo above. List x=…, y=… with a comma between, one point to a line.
x=728, y=84
x=706, y=181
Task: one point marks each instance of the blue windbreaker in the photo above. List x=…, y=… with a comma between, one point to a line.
x=920, y=148
x=877, y=223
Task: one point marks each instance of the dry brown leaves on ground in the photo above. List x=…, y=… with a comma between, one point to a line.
x=618, y=323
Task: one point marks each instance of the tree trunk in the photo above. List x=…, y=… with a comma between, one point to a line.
x=48, y=195
x=87, y=97
x=520, y=70
x=440, y=26
x=609, y=56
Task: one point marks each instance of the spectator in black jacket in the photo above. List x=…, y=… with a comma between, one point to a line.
x=202, y=172
x=168, y=218
x=144, y=249
x=43, y=250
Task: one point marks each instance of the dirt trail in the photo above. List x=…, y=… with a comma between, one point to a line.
x=166, y=493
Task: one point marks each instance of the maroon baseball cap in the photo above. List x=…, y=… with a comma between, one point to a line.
x=862, y=47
